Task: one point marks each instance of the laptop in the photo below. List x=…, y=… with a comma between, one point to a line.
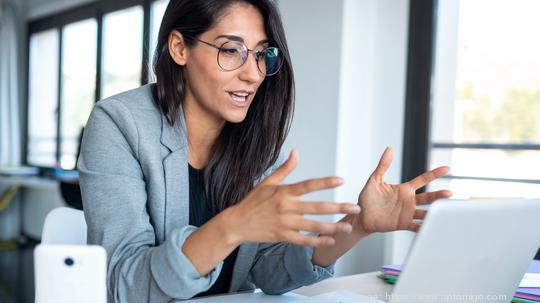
x=470, y=251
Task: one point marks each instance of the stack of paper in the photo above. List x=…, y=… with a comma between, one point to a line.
x=389, y=273
x=528, y=292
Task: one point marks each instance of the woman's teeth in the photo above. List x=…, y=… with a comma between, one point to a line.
x=240, y=97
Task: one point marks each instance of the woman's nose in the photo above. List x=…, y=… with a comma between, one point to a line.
x=249, y=71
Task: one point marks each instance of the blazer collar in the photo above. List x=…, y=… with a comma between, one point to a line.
x=174, y=137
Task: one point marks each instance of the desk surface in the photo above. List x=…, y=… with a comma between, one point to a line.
x=364, y=284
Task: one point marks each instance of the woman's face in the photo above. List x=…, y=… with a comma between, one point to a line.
x=225, y=95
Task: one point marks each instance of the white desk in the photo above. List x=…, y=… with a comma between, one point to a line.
x=29, y=181
x=365, y=284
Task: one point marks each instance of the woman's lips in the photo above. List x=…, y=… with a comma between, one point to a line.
x=239, y=99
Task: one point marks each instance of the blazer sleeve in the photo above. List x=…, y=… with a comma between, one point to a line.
x=114, y=199
x=281, y=267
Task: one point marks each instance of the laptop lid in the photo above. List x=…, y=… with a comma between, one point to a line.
x=471, y=251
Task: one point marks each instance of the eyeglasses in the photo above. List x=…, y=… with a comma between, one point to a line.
x=233, y=54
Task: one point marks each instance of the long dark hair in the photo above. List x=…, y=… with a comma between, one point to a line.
x=243, y=151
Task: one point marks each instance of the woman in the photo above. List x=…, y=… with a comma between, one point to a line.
x=179, y=178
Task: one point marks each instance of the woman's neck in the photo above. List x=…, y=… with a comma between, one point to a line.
x=203, y=128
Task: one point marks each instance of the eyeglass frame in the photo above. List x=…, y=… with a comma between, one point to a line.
x=254, y=52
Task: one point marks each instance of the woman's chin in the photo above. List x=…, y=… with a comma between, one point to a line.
x=235, y=116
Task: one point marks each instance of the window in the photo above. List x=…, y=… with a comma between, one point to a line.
x=122, y=51
x=472, y=66
x=42, y=98
x=486, y=97
x=78, y=57
x=158, y=10
x=78, y=85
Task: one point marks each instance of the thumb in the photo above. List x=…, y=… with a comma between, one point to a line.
x=283, y=170
x=384, y=164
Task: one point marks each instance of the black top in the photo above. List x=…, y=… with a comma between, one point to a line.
x=200, y=213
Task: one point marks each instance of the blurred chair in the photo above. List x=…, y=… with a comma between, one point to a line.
x=64, y=225
x=71, y=193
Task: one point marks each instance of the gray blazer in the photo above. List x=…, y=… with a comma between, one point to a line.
x=135, y=188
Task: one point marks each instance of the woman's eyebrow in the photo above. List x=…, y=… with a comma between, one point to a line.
x=239, y=39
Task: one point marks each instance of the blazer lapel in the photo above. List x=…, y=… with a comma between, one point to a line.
x=176, y=174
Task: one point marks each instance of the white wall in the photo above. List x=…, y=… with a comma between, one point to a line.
x=356, y=128
x=350, y=61
x=313, y=30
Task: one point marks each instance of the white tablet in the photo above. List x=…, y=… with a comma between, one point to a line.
x=70, y=273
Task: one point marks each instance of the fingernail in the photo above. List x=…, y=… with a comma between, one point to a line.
x=355, y=209
x=331, y=241
x=337, y=181
x=347, y=228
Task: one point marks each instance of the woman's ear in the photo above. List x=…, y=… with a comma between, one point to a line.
x=177, y=47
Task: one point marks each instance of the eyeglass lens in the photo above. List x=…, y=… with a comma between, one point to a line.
x=233, y=55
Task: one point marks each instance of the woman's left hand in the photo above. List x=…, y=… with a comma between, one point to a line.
x=387, y=207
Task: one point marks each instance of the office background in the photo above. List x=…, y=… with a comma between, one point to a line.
x=442, y=82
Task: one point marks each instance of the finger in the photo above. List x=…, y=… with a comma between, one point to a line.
x=297, y=238
x=326, y=208
x=429, y=197
x=312, y=185
x=323, y=227
x=384, y=163
x=428, y=176
x=420, y=214
x=283, y=170
x=415, y=227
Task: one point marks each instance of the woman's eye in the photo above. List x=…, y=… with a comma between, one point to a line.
x=230, y=51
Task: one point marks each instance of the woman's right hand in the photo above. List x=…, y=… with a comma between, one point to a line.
x=274, y=212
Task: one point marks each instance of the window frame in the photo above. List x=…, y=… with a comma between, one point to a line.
x=421, y=48
x=417, y=142
x=96, y=10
